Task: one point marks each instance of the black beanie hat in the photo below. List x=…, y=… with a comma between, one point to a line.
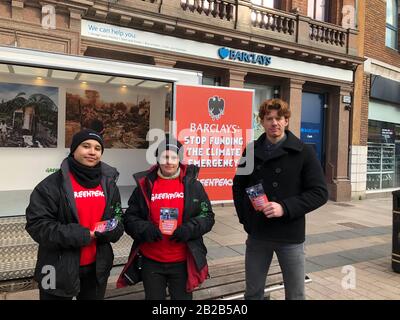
x=83, y=135
x=170, y=143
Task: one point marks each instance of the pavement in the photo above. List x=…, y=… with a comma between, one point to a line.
x=348, y=251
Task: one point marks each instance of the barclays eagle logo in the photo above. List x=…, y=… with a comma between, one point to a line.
x=216, y=107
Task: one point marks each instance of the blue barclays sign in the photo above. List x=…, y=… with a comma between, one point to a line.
x=243, y=56
x=306, y=130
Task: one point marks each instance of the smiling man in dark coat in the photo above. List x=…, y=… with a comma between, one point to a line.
x=294, y=183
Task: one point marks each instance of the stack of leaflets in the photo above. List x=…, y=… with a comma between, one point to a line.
x=257, y=196
x=107, y=225
x=168, y=220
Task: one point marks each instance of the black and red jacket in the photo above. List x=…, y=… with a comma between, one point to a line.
x=197, y=216
x=52, y=221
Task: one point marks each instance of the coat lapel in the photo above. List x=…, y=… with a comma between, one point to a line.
x=291, y=143
x=67, y=186
x=276, y=154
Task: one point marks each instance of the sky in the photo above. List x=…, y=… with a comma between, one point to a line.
x=8, y=91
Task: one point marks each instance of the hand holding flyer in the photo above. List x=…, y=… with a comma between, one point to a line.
x=104, y=226
x=168, y=220
x=257, y=196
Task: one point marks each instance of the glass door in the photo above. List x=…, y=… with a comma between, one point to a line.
x=312, y=122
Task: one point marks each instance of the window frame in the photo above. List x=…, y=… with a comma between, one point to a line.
x=326, y=11
x=391, y=27
x=276, y=4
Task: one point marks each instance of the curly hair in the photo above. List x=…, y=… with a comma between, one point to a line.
x=274, y=104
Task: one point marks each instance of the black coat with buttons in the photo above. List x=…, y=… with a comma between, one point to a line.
x=291, y=176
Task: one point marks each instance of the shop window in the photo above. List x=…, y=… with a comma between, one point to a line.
x=383, y=155
x=41, y=109
x=211, y=81
x=397, y=155
x=392, y=30
x=318, y=9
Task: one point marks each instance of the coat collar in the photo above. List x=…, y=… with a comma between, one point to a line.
x=67, y=185
x=291, y=143
x=145, y=179
x=106, y=170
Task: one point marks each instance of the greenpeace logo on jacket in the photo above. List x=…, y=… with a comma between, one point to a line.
x=165, y=195
x=89, y=194
x=60, y=235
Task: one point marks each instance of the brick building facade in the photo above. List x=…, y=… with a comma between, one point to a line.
x=375, y=135
x=314, y=58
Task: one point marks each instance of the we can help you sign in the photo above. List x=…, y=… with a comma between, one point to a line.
x=214, y=126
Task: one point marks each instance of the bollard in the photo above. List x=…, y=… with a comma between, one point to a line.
x=396, y=232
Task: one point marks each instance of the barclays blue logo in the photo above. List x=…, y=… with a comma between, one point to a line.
x=237, y=55
x=223, y=53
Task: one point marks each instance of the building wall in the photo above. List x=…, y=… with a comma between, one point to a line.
x=301, y=4
x=21, y=26
x=364, y=109
x=335, y=9
x=372, y=40
x=358, y=154
x=375, y=30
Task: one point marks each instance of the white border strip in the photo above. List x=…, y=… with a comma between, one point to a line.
x=30, y=57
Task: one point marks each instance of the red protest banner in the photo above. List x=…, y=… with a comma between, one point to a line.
x=214, y=125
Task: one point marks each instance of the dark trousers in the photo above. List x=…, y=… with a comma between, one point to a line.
x=157, y=276
x=89, y=290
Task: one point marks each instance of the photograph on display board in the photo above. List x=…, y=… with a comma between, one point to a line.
x=28, y=116
x=122, y=119
x=257, y=126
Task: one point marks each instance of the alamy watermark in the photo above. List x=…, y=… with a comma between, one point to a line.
x=48, y=17
x=49, y=278
x=209, y=146
x=348, y=14
x=349, y=280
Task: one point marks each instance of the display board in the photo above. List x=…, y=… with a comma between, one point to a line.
x=214, y=125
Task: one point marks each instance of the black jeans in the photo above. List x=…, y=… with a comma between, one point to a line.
x=157, y=276
x=89, y=290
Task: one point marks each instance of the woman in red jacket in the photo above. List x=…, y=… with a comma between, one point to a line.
x=168, y=214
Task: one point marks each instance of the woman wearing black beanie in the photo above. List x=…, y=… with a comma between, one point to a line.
x=62, y=216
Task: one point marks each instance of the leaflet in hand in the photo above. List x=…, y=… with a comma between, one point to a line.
x=168, y=220
x=107, y=225
x=257, y=196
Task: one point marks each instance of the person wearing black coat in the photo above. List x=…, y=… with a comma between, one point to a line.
x=294, y=183
x=172, y=252
x=73, y=259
